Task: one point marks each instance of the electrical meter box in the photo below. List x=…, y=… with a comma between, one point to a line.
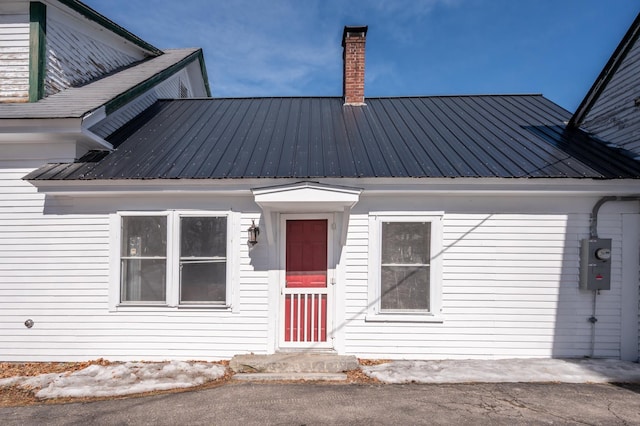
x=595, y=264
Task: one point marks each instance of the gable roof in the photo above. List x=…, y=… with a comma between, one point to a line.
x=618, y=57
x=108, y=24
x=509, y=136
x=111, y=91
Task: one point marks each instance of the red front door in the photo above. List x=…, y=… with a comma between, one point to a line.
x=305, y=290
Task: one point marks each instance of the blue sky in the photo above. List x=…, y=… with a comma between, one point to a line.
x=414, y=47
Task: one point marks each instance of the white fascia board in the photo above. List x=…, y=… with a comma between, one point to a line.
x=346, y=188
x=494, y=186
x=148, y=186
x=38, y=129
x=51, y=130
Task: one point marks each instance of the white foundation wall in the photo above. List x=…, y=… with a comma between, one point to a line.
x=509, y=282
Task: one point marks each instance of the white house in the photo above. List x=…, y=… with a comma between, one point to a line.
x=134, y=227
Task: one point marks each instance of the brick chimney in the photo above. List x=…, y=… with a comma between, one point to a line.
x=353, y=41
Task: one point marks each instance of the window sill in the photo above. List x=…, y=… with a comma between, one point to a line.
x=165, y=308
x=424, y=318
x=206, y=307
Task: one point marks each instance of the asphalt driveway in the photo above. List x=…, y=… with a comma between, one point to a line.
x=349, y=404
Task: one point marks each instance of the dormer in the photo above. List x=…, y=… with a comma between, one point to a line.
x=70, y=78
x=51, y=45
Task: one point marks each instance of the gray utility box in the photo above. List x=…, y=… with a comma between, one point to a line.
x=595, y=264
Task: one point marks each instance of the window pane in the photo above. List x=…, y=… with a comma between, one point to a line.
x=144, y=236
x=143, y=280
x=203, y=282
x=203, y=237
x=405, y=287
x=406, y=242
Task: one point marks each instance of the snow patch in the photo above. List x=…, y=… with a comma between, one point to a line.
x=506, y=371
x=119, y=379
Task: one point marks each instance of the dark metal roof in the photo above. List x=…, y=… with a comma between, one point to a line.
x=512, y=136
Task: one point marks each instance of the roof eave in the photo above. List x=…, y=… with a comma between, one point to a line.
x=369, y=186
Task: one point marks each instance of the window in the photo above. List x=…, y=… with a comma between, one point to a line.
x=405, y=264
x=173, y=259
x=143, y=259
x=203, y=259
x=405, y=252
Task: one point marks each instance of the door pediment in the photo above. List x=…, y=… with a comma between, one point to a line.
x=306, y=197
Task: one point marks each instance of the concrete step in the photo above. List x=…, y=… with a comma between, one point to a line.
x=290, y=362
x=307, y=377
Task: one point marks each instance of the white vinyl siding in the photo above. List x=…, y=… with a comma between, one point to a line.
x=509, y=289
x=14, y=58
x=509, y=283
x=55, y=270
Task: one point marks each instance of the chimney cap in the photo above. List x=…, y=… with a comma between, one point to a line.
x=355, y=29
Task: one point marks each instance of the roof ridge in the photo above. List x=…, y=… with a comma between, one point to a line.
x=368, y=98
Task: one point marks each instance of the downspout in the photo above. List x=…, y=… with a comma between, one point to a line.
x=593, y=233
x=596, y=209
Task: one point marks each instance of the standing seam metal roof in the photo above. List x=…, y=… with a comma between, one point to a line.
x=508, y=136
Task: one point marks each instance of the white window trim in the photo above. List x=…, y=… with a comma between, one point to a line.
x=173, y=256
x=374, y=313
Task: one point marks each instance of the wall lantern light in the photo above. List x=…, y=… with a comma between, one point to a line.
x=254, y=231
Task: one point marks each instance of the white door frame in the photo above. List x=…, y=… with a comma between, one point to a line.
x=331, y=280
